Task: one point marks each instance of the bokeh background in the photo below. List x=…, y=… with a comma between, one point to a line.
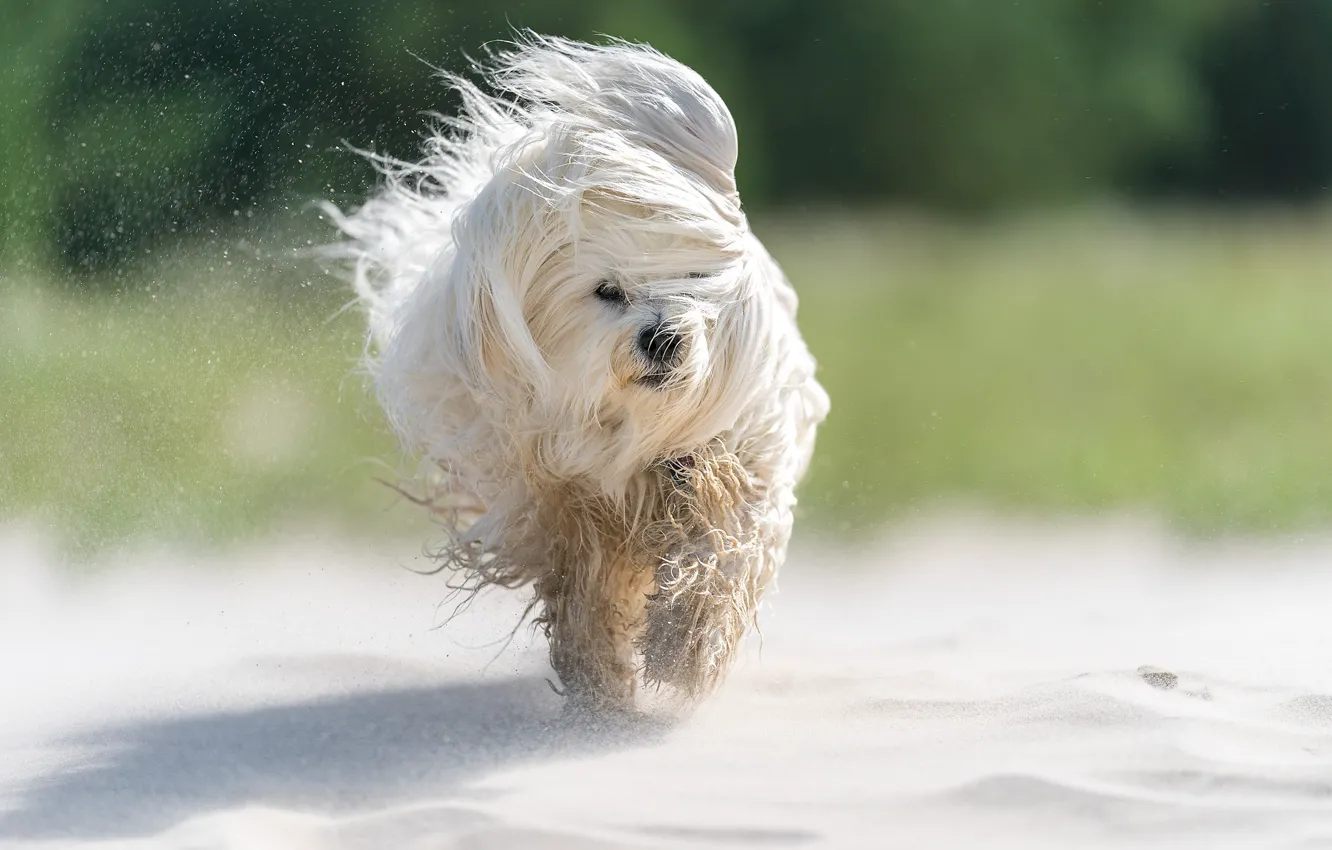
x=1055, y=256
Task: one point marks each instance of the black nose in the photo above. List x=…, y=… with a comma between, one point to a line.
x=659, y=343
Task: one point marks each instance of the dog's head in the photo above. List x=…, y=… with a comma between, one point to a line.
x=600, y=297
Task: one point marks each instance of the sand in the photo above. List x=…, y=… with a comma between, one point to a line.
x=961, y=683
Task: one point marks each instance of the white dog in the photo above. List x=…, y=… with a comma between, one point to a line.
x=572, y=324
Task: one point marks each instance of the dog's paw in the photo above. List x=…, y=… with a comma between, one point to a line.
x=683, y=644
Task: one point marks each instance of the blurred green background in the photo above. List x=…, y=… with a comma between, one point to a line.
x=1054, y=255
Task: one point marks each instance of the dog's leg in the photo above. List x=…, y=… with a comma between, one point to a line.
x=696, y=619
x=592, y=620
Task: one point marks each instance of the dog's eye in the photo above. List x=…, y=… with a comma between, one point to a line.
x=610, y=292
x=697, y=275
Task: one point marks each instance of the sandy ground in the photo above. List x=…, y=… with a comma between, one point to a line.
x=964, y=683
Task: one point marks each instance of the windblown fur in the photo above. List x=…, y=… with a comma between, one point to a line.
x=510, y=278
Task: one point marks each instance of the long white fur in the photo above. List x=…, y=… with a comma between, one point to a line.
x=524, y=394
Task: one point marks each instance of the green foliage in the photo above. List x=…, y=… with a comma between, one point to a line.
x=964, y=104
x=1269, y=85
x=31, y=42
x=130, y=121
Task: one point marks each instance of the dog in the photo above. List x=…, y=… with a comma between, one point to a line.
x=595, y=359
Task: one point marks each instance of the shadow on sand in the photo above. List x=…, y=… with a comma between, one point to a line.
x=351, y=753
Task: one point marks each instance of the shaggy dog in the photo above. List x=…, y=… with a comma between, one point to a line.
x=573, y=326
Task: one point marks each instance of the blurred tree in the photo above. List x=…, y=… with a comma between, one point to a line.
x=131, y=120
x=1268, y=79
x=170, y=114
x=32, y=39
x=965, y=104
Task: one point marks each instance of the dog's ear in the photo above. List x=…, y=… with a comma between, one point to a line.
x=460, y=352
x=634, y=90
x=504, y=238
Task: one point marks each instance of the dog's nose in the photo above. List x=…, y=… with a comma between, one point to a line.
x=660, y=343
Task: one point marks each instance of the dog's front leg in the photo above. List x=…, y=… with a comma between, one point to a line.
x=696, y=618
x=592, y=619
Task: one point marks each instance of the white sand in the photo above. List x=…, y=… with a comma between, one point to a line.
x=967, y=684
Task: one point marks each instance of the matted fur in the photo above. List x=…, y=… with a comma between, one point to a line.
x=649, y=506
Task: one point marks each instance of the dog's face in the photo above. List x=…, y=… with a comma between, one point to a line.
x=648, y=324
x=641, y=316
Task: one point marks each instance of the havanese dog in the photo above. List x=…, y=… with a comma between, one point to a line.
x=594, y=357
